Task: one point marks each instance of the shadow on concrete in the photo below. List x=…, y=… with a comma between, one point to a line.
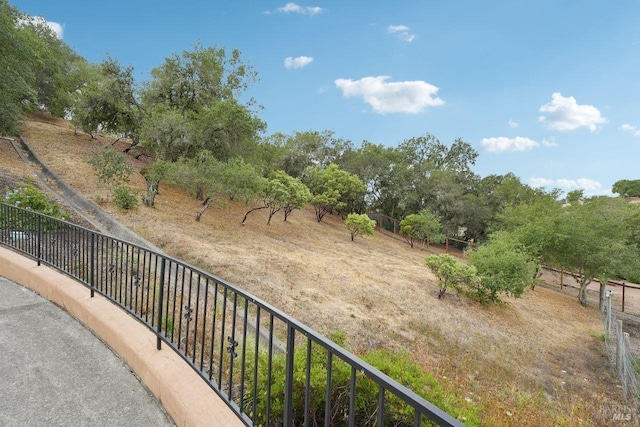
x=55, y=372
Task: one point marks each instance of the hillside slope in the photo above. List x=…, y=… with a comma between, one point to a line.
x=533, y=361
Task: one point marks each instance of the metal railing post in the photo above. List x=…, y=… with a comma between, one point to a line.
x=92, y=267
x=327, y=406
x=288, y=377
x=380, y=418
x=160, y=302
x=39, y=240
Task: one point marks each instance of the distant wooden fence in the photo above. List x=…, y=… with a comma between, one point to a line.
x=392, y=227
x=385, y=222
x=628, y=296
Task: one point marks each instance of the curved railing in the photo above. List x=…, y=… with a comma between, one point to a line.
x=269, y=368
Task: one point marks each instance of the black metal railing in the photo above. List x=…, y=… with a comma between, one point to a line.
x=269, y=368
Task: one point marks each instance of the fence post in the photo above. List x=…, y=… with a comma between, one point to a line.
x=627, y=369
x=623, y=288
x=288, y=379
x=93, y=264
x=619, y=348
x=160, y=303
x=39, y=240
x=607, y=333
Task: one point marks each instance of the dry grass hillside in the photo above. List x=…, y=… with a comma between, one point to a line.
x=534, y=361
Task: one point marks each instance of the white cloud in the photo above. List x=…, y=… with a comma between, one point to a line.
x=398, y=29
x=298, y=62
x=590, y=186
x=564, y=114
x=586, y=184
x=58, y=29
x=402, y=31
x=295, y=8
x=630, y=128
x=391, y=97
x=540, y=182
x=513, y=124
x=502, y=144
x=551, y=142
x=566, y=183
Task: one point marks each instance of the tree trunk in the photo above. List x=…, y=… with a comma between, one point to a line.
x=152, y=190
x=321, y=212
x=603, y=286
x=114, y=143
x=272, y=212
x=133, y=144
x=204, y=207
x=536, y=275
x=254, y=209
x=582, y=294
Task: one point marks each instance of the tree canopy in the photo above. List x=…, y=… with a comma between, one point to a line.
x=423, y=226
x=502, y=267
x=359, y=225
x=281, y=192
x=333, y=189
x=108, y=102
x=192, y=104
x=593, y=240
x=450, y=272
x=297, y=193
x=38, y=70
x=627, y=187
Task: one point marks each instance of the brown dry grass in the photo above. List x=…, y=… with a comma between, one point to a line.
x=12, y=170
x=534, y=361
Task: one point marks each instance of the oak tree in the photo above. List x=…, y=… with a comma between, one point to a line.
x=423, y=226
x=359, y=225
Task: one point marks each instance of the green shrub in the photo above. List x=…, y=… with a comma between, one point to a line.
x=29, y=197
x=111, y=168
x=360, y=225
x=504, y=268
x=451, y=272
x=396, y=365
x=423, y=226
x=401, y=368
x=124, y=198
x=317, y=384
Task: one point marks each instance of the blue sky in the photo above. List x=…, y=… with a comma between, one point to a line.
x=548, y=90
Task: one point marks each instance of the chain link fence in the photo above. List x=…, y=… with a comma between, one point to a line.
x=618, y=331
